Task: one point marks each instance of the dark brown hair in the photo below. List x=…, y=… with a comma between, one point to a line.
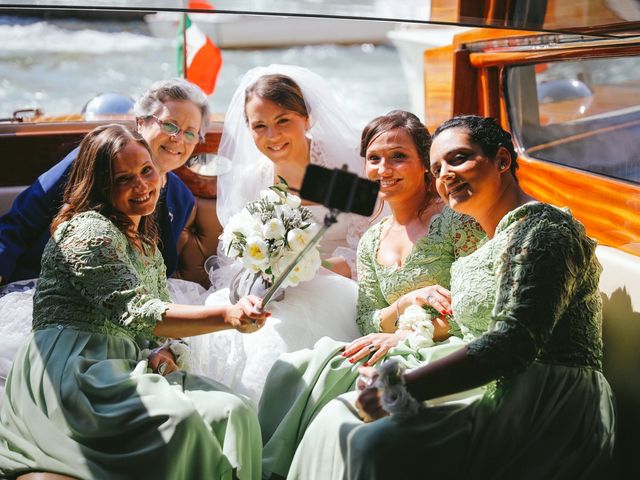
x=279, y=89
x=90, y=182
x=407, y=121
x=485, y=132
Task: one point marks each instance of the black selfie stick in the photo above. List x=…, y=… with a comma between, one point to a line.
x=333, y=186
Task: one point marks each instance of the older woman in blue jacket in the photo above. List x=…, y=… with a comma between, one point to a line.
x=172, y=117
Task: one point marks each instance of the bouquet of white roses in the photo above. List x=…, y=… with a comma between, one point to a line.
x=267, y=234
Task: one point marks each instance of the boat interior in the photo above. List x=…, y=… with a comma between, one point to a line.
x=562, y=76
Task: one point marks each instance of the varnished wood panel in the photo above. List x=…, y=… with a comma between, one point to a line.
x=563, y=14
x=489, y=94
x=35, y=148
x=465, y=81
x=585, y=52
x=438, y=85
x=609, y=209
x=444, y=11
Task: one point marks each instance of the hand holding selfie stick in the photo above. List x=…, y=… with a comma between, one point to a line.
x=340, y=191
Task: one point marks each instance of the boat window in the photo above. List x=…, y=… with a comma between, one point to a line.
x=584, y=114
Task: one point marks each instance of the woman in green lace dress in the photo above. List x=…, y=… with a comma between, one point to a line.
x=402, y=261
x=550, y=411
x=79, y=399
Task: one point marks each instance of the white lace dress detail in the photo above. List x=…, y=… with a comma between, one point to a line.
x=324, y=306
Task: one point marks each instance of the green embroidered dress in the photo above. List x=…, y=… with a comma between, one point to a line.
x=551, y=414
x=301, y=383
x=79, y=400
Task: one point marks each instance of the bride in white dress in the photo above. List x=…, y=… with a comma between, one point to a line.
x=282, y=118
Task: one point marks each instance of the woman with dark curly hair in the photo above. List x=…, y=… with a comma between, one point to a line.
x=548, y=410
x=403, y=277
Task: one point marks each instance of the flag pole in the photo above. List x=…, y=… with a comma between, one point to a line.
x=184, y=45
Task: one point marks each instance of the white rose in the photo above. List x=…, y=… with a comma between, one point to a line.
x=273, y=229
x=271, y=196
x=245, y=223
x=290, y=214
x=306, y=269
x=297, y=239
x=256, y=251
x=279, y=264
x=293, y=201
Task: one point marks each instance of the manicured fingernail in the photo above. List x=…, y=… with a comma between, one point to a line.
x=450, y=312
x=443, y=312
x=366, y=364
x=351, y=360
x=344, y=354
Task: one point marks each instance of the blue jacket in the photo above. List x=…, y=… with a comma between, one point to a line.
x=24, y=230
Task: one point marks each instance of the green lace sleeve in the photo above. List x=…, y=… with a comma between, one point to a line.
x=466, y=233
x=538, y=271
x=95, y=254
x=370, y=296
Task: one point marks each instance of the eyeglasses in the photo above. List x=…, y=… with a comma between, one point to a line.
x=172, y=129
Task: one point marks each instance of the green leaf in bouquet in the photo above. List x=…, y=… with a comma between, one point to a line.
x=280, y=190
x=283, y=181
x=240, y=237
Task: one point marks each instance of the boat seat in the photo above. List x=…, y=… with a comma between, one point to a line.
x=620, y=290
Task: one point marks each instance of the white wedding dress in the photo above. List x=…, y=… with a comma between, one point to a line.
x=16, y=314
x=322, y=307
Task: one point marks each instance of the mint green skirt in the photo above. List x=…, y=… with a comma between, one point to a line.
x=301, y=384
x=550, y=421
x=82, y=404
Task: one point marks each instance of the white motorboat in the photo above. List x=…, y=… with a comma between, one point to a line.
x=266, y=31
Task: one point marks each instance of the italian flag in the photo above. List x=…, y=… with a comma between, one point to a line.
x=201, y=58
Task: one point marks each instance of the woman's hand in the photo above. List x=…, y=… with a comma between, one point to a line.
x=434, y=296
x=247, y=315
x=375, y=344
x=369, y=402
x=162, y=361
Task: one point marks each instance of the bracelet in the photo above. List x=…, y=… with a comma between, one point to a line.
x=396, y=399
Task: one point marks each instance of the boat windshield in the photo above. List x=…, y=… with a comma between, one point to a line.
x=583, y=113
x=584, y=16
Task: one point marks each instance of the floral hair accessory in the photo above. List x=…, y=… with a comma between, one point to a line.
x=396, y=399
x=267, y=234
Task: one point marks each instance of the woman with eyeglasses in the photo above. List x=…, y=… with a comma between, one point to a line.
x=172, y=117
